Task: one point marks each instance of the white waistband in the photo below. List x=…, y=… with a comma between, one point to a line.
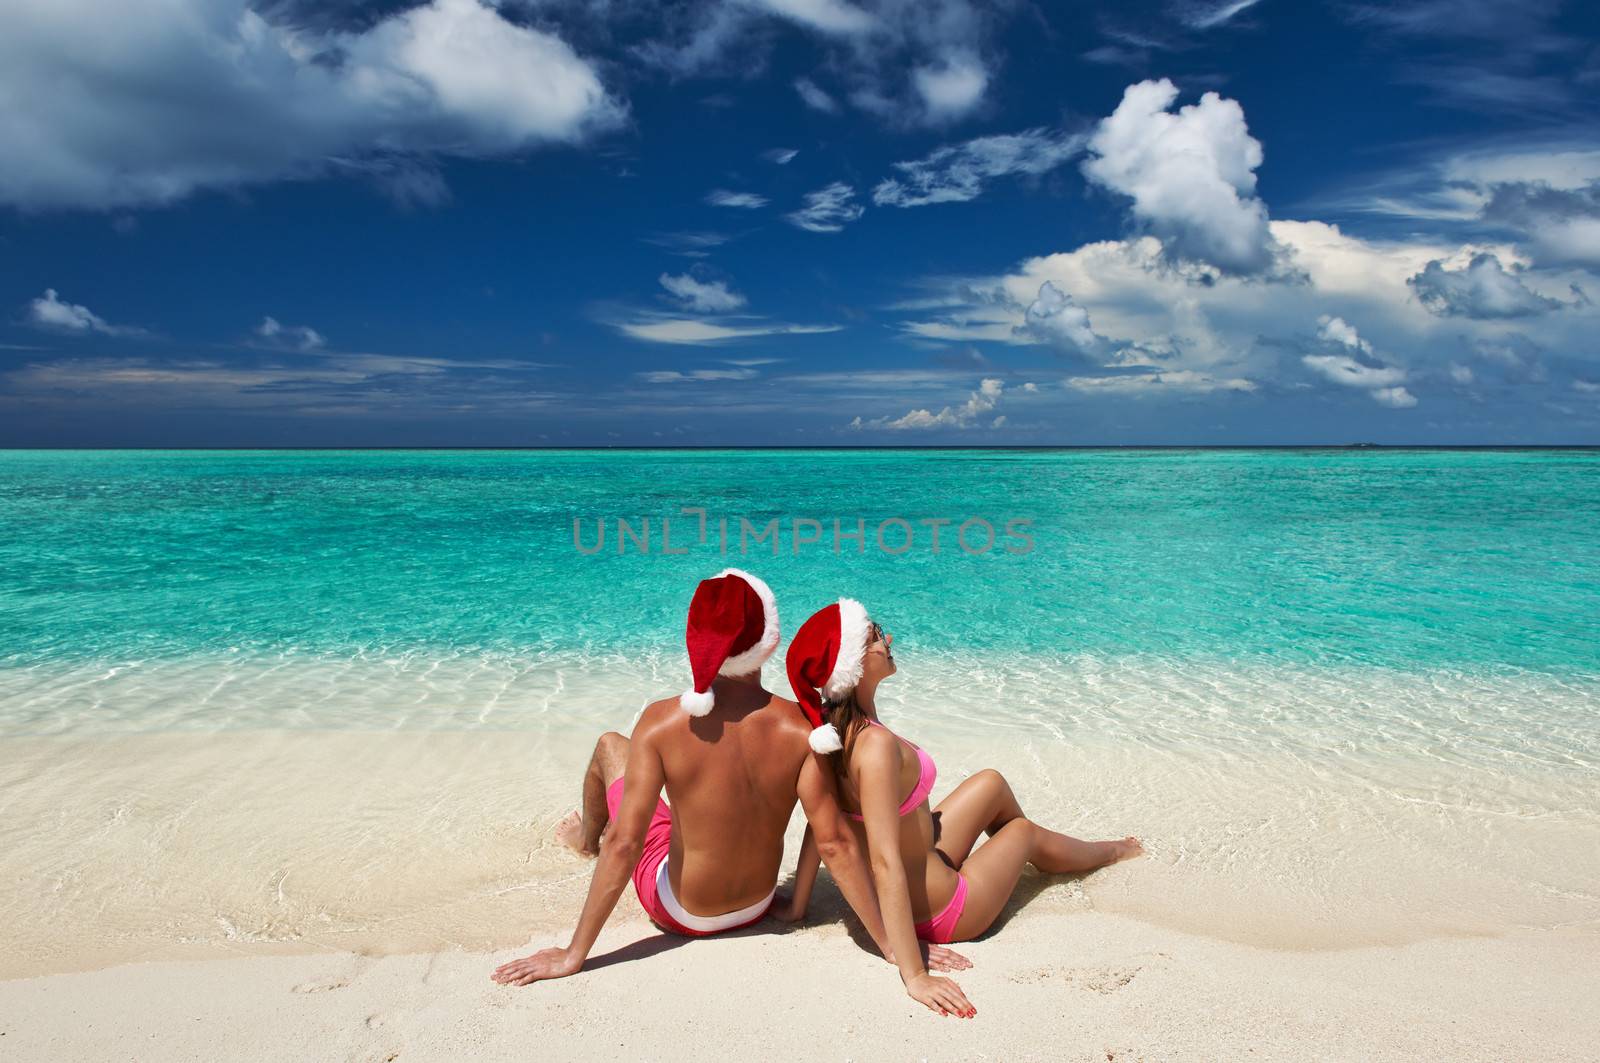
x=706, y=924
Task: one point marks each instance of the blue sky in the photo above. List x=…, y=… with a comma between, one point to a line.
x=800, y=222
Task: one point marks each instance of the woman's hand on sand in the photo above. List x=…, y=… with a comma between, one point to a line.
x=941, y=995
x=546, y=963
x=940, y=958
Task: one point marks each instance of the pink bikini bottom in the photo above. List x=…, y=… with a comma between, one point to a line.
x=941, y=929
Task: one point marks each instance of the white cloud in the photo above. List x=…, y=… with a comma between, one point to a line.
x=780, y=156
x=1397, y=398
x=978, y=402
x=1563, y=169
x=50, y=312
x=956, y=173
x=721, y=197
x=301, y=337
x=144, y=102
x=1159, y=382
x=324, y=384
x=952, y=88
x=1481, y=289
x=1054, y=319
x=907, y=62
x=696, y=331
x=828, y=209
x=674, y=376
x=1345, y=370
x=814, y=97
x=1190, y=174
x=1337, y=330
x=827, y=16
x=1206, y=15
x=706, y=297
x=1382, y=382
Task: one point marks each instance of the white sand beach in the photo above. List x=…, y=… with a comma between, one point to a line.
x=325, y=895
x=1047, y=987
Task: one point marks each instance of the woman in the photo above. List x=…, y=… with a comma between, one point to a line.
x=931, y=884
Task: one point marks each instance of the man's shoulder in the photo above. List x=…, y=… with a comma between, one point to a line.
x=658, y=715
x=784, y=716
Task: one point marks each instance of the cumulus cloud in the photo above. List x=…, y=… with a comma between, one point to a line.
x=828, y=209
x=1382, y=382
x=1481, y=289
x=146, y=102
x=50, y=311
x=1054, y=319
x=1561, y=224
x=721, y=197
x=966, y=415
x=1190, y=175
x=300, y=337
x=706, y=297
x=957, y=173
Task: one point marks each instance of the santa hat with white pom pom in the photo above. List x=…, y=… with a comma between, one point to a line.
x=824, y=662
x=732, y=630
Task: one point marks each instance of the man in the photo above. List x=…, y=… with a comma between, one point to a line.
x=734, y=759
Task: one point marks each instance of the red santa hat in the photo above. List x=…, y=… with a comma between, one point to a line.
x=824, y=661
x=732, y=630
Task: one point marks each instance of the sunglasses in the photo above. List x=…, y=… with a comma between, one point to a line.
x=875, y=635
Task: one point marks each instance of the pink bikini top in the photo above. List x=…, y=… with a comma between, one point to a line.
x=926, y=775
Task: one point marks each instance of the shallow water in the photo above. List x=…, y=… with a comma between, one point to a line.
x=262, y=700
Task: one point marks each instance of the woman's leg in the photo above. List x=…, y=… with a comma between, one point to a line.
x=581, y=829
x=982, y=804
x=993, y=870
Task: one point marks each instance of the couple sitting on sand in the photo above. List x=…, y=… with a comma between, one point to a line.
x=735, y=759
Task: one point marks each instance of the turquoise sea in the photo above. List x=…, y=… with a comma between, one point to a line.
x=1371, y=676
x=1472, y=560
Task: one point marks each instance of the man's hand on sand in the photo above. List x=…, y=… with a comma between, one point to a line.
x=546, y=963
x=783, y=909
x=940, y=958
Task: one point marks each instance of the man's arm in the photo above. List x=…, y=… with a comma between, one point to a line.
x=620, y=850
x=805, y=876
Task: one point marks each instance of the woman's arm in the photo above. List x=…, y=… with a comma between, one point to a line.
x=875, y=768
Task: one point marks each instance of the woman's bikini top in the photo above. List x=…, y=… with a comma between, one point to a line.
x=925, y=777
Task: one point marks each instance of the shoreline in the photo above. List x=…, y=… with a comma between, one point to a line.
x=1088, y=986
x=407, y=842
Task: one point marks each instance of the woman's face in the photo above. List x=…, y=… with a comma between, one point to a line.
x=877, y=663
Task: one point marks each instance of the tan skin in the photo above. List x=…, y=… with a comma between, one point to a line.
x=733, y=778
x=915, y=877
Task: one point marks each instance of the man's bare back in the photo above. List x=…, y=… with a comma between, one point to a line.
x=732, y=778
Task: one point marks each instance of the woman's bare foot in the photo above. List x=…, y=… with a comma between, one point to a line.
x=1126, y=849
x=569, y=832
